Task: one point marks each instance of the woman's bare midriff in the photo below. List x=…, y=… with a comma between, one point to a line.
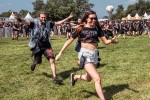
x=91, y=46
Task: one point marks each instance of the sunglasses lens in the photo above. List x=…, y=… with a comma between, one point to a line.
x=93, y=18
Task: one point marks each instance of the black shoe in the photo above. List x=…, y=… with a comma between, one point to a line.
x=73, y=81
x=33, y=67
x=57, y=81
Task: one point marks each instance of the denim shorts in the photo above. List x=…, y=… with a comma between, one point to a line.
x=91, y=56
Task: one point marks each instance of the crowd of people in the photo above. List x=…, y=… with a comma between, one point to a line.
x=87, y=32
x=14, y=30
x=111, y=28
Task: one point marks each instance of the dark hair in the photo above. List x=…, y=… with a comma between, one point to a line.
x=83, y=21
x=86, y=15
x=42, y=12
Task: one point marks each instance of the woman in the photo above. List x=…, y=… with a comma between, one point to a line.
x=88, y=33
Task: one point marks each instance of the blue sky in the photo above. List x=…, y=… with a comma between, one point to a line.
x=100, y=5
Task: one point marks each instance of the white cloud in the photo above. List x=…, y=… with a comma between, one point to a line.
x=43, y=0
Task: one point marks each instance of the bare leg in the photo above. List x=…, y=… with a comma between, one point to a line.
x=96, y=78
x=92, y=73
x=53, y=67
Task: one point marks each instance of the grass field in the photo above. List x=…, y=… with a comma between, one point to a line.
x=125, y=72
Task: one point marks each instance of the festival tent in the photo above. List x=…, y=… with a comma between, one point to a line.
x=129, y=17
x=11, y=18
x=28, y=17
x=136, y=16
x=146, y=16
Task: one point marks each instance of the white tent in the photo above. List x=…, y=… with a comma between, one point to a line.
x=11, y=18
x=28, y=17
x=129, y=17
x=136, y=16
x=146, y=16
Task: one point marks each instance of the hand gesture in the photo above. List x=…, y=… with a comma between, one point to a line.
x=57, y=57
x=114, y=40
x=71, y=15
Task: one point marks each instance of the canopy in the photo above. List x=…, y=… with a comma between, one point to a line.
x=129, y=17
x=136, y=16
x=11, y=18
x=146, y=16
x=28, y=17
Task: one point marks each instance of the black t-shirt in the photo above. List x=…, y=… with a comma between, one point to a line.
x=89, y=35
x=15, y=27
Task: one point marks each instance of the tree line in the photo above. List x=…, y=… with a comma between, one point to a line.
x=59, y=9
x=139, y=7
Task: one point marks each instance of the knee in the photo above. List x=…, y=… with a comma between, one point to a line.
x=51, y=61
x=97, y=80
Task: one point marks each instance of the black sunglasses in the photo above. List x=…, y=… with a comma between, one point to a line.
x=94, y=18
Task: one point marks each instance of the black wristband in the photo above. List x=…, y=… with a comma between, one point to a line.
x=19, y=19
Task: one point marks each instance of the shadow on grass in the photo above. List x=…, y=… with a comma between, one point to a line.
x=109, y=91
x=64, y=74
x=47, y=75
x=114, y=89
x=101, y=47
x=89, y=93
x=101, y=65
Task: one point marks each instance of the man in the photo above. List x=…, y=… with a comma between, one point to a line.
x=40, y=38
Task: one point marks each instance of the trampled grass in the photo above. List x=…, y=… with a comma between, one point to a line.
x=125, y=72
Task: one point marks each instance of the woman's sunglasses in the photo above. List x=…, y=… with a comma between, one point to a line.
x=93, y=18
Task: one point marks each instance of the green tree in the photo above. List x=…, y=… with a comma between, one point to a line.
x=139, y=7
x=119, y=12
x=58, y=9
x=23, y=13
x=6, y=14
x=37, y=6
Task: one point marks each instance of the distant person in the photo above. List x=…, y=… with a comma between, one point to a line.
x=88, y=33
x=122, y=30
x=40, y=43
x=27, y=30
x=68, y=30
x=15, y=31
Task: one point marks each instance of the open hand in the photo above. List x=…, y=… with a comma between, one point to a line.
x=114, y=40
x=71, y=15
x=57, y=57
